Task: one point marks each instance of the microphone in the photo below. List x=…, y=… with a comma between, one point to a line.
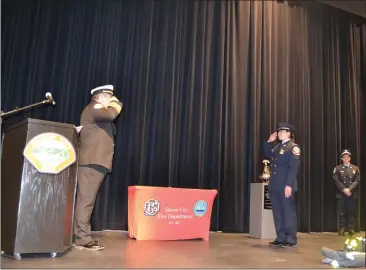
x=50, y=98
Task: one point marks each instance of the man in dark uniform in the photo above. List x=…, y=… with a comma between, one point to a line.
x=347, y=179
x=285, y=161
x=95, y=159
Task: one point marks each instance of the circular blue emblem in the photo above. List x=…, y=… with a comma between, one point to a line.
x=200, y=208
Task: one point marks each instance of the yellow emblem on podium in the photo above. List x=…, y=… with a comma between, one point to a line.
x=50, y=152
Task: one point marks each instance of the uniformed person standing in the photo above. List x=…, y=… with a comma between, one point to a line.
x=95, y=159
x=285, y=161
x=347, y=179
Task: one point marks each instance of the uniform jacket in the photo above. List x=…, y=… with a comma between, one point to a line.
x=346, y=177
x=97, y=135
x=285, y=162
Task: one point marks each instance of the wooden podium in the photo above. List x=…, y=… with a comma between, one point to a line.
x=38, y=184
x=261, y=223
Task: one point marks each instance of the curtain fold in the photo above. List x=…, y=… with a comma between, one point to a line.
x=204, y=84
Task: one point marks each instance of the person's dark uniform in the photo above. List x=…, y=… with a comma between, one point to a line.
x=95, y=161
x=285, y=161
x=346, y=177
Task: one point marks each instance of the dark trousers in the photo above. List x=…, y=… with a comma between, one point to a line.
x=90, y=178
x=284, y=216
x=346, y=211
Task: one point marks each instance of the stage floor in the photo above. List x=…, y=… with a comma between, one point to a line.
x=222, y=251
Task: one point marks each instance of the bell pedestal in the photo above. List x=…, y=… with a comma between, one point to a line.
x=261, y=223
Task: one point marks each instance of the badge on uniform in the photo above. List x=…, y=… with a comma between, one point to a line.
x=281, y=152
x=296, y=150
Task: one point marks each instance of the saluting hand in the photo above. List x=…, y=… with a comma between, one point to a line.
x=273, y=137
x=288, y=191
x=113, y=99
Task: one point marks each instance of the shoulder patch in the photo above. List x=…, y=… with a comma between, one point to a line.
x=98, y=106
x=296, y=150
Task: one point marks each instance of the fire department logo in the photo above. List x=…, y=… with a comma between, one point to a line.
x=50, y=152
x=200, y=208
x=152, y=207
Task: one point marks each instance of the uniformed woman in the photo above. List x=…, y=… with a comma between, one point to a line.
x=285, y=161
x=347, y=179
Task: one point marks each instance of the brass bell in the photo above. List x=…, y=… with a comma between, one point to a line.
x=266, y=171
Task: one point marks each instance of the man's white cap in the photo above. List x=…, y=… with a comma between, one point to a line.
x=345, y=151
x=102, y=89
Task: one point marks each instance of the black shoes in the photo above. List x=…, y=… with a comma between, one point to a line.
x=276, y=243
x=92, y=245
x=343, y=232
x=286, y=244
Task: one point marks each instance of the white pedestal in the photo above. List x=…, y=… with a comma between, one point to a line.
x=261, y=223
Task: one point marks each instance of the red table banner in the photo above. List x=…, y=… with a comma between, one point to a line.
x=163, y=213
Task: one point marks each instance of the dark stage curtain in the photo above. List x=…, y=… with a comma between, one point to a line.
x=203, y=83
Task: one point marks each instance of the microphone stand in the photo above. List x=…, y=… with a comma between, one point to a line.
x=51, y=101
x=25, y=108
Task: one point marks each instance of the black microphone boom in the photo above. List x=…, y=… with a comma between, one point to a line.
x=48, y=100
